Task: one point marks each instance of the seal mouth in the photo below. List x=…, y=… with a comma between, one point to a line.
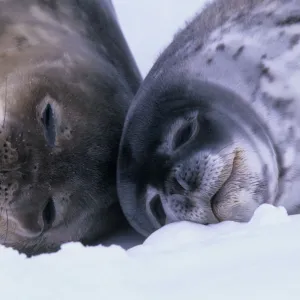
x=213, y=203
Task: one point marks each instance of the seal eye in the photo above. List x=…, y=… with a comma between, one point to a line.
x=49, y=124
x=183, y=135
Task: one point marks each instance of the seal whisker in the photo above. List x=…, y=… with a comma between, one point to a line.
x=67, y=228
x=95, y=202
x=37, y=245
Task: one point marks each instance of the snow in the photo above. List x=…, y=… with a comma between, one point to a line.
x=257, y=260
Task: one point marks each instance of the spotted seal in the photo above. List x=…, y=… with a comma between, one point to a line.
x=214, y=130
x=67, y=79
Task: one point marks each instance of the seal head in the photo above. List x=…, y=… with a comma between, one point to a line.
x=193, y=151
x=214, y=129
x=66, y=81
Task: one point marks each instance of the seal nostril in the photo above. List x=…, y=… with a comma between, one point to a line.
x=157, y=210
x=49, y=214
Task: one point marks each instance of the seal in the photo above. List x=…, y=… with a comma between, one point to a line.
x=67, y=80
x=214, y=130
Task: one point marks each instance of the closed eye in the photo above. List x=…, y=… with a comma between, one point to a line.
x=48, y=122
x=185, y=133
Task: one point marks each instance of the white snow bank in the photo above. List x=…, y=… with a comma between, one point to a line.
x=258, y=260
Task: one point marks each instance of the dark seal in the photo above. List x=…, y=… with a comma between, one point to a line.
x=67, y=79
x=214, y=130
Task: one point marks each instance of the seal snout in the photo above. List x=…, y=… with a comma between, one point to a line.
x=189, y=190
x=32, y=222
x=208, y=188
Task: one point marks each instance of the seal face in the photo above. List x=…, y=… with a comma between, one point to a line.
x=213, y=131
x=67, y=78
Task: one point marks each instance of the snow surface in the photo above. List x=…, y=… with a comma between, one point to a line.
x=257, y=260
